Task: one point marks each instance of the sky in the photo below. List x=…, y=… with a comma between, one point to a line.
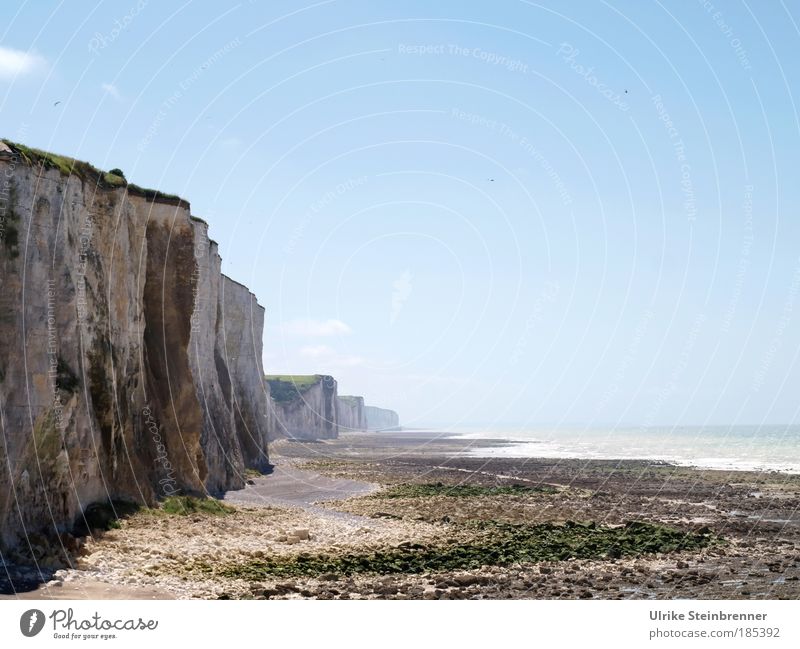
x=503, y=213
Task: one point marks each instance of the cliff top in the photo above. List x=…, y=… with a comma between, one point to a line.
x=287, y=387
x=87, y=172
x=300, y=381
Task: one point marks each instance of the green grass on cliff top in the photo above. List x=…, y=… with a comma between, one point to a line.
x=71, y=167
x=288, y=387
x=300, y=380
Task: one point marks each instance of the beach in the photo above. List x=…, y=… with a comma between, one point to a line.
x=420, y=515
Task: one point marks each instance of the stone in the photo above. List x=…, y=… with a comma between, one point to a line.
x=387, y=590
x=465, y=580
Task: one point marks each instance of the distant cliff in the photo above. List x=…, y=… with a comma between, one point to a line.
x=381, y=418
x=350, y=413
x=305, y=406
x=130, y=367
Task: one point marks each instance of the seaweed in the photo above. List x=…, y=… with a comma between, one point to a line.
x=493, y=543
x=460, y=491
x=185, y=505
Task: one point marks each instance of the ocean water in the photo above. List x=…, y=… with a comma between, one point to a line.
x=742, y=448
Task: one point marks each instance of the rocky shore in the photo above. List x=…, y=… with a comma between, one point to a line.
x=410, y=515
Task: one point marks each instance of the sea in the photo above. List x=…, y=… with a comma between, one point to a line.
x=737, y=448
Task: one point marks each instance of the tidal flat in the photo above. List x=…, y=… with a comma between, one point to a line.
x=413, y=516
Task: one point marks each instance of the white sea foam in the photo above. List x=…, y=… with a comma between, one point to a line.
x=735, y=448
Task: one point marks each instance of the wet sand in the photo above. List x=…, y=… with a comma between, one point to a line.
x=291, y=486
x=89, y=590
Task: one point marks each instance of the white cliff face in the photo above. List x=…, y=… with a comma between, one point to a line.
x=239, y=350
x=350, y=411
x=304, y=411
x=129, y=367
x=381, y=418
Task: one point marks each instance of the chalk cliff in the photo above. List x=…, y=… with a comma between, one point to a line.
x=380, y=418
x=129, y=366
x=305, y=406
x=350, y=413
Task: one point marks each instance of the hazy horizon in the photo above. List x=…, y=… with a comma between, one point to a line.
x=495, y=213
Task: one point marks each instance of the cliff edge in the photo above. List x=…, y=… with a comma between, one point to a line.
x=381, y=418
x=130, y=367
x=350, y=412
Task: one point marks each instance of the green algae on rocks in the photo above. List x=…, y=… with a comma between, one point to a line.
x=493, y=544
x=460, y=491
x=185, y=505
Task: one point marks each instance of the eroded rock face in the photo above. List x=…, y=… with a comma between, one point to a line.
x=305, y=407
x=381, y=418
x=239, y=352
x=130, y=367
x=350, y=411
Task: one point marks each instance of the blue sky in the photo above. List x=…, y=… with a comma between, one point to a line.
x=506, y=213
